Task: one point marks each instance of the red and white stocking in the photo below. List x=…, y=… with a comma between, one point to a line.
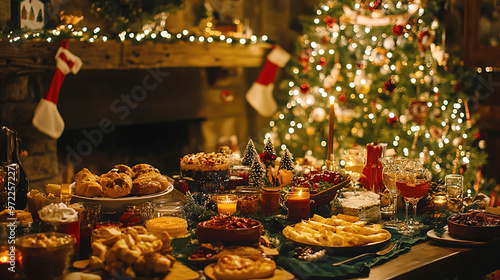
x=47, y=118
x=260, y=94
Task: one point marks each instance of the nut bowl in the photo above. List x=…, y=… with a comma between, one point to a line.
x=475, y=226
x=45, y=255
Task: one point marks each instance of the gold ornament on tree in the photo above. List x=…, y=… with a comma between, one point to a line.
x=362, y=83
x=379, y=56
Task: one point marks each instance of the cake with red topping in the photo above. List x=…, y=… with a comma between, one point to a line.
x=208, y=171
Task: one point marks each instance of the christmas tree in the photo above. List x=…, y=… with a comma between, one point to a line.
x=385, y=64
x=286, y=162
x=250, y=154
x=257, y=175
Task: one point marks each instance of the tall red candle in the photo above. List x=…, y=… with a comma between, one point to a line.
x=299, y=206
x=331, y=129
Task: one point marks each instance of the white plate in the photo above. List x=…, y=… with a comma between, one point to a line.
x=109, y=203
x=448, y=239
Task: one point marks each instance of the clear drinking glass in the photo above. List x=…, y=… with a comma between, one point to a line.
x=354, y=162
x=391, y=166
x=454, y=184
x=413, y=181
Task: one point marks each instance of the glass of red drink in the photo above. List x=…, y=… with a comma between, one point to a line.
x=413, y=182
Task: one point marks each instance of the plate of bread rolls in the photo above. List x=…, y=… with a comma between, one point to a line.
x=122, y=184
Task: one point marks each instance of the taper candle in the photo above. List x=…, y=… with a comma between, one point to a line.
x=331, y=129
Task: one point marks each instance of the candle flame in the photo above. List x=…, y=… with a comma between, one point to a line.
x=300, y=193
x=4, y=259
x=332, y=99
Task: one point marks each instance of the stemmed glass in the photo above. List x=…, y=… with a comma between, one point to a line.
x=413, y=181
x=354, y=163
x=391, y=166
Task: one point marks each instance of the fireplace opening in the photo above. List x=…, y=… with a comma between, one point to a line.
x=159, y=144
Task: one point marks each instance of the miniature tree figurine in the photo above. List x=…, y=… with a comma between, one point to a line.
x=268, y=156
x=250, y=154
x=257, y=174
x=286, y=162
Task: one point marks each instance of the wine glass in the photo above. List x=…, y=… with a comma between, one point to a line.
x=391, y=166
x=413, y=181
x=354, y=164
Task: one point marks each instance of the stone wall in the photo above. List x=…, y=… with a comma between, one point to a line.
x=19, y=95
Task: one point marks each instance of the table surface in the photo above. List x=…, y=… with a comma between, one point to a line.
x=436, y=260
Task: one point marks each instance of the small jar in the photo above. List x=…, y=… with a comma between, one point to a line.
x=270, y=201
x=168, y=209
x=131, y=216
x=248, y=200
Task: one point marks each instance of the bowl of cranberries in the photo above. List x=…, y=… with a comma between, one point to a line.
x=322, y=185
x=474, y=225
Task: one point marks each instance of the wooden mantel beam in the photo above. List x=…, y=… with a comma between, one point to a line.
x=38, y=56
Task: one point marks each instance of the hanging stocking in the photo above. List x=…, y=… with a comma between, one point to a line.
x=47, y=118
x=260, y=94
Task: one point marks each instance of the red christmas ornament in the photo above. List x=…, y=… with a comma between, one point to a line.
x=425, y=38
x=392, y=121
x=398, y=30
x=374, y=5
x=342, y=97
x=227, y=96
x=389, y=85
x=322, y=61
x=304, y=88
x=457, y=86
x=477, y=135
x=330, y=22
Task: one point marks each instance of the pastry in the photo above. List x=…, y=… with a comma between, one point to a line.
x=142, y=168
x=149, y=183
x=20, y=215
x=122, y=168
x=85, y=175
x=115, y=184
x=54, y=189
x=89, y=189
x=234, y=267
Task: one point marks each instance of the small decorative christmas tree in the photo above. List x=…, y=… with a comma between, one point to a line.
x=250, y=154
x=268, y=156
x=286, y=162
x=257, y=175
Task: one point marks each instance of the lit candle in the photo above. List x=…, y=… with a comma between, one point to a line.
x=226, y=204
x=440, y=201
x=299, y=206
x=331, y=129
x=8, y=264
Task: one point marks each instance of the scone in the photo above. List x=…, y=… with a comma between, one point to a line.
x=89, y=189
x=149, y=183
x=234, y=267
